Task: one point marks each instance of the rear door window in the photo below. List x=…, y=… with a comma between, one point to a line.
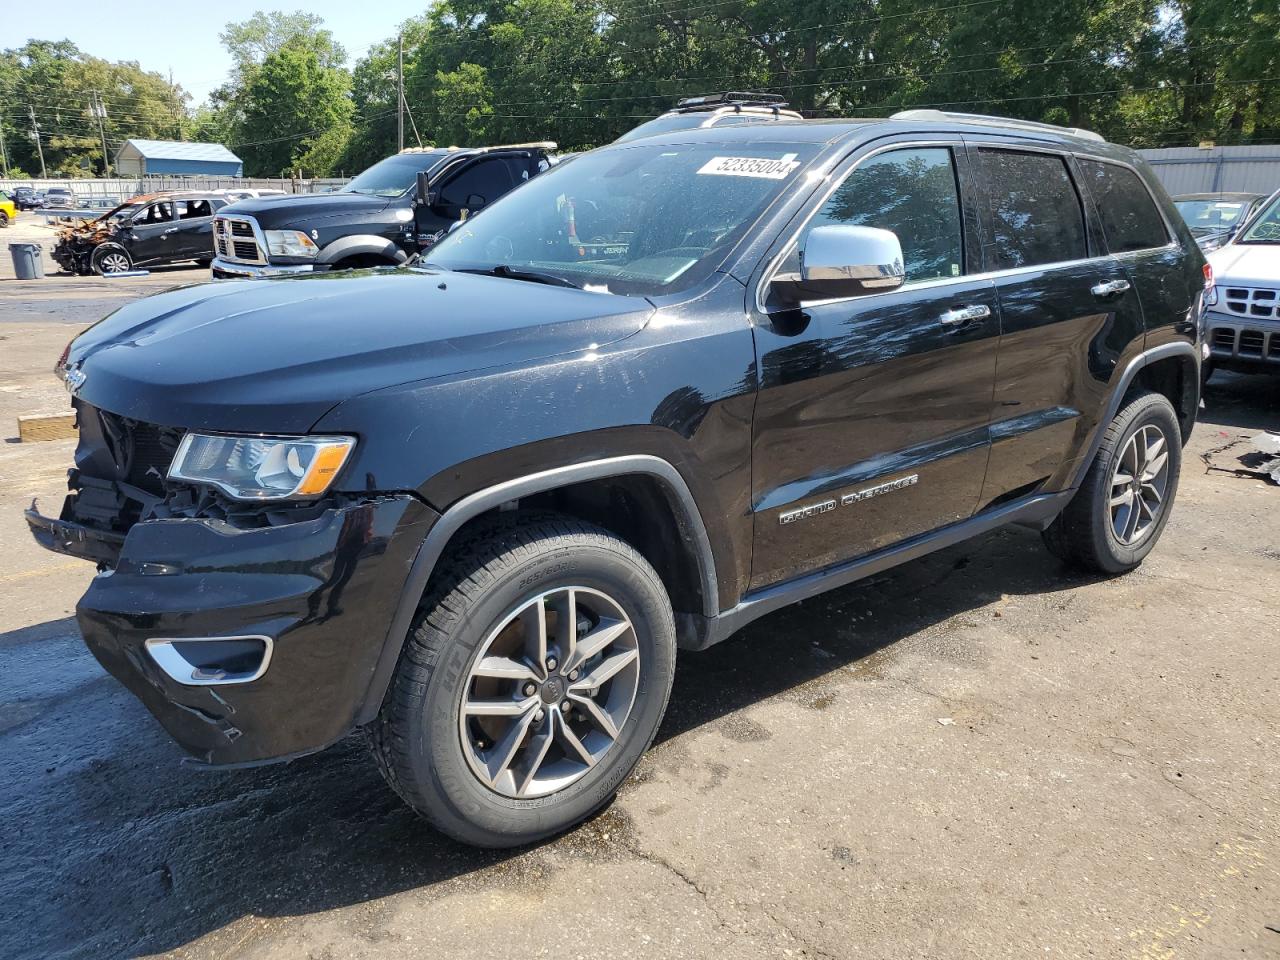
x=1130, y=218
x=1036, y=217
x=914, y=194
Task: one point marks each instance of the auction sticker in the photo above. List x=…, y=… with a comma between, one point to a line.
x=763, y=168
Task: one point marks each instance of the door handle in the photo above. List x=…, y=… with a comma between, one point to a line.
x=1109, y=288
x=963, y=316
x=169, y=231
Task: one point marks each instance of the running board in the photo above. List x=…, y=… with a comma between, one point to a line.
x=1037, y=511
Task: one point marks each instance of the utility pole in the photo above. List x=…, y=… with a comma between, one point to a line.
x=400, y=97
x=35, y=130
x=100, y=111
x=4, y=153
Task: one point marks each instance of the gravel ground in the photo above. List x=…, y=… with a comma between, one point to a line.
x=976, y=755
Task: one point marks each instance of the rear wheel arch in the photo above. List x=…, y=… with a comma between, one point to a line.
x=611, y=493
x=1176, y=377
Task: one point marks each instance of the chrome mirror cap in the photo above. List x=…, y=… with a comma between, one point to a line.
x=844, y=261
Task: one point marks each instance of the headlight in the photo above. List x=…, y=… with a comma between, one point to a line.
x=290, y=243
x=261, y=468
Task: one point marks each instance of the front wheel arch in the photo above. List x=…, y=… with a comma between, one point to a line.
x=453, y=521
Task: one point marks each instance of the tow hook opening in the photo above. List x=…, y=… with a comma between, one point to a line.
x=211, y=661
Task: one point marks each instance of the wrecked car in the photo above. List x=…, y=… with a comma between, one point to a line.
x=144, y=231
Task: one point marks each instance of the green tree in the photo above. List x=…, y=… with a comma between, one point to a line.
x=295, y=111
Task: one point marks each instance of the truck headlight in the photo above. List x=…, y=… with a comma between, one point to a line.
x=261, y=468
x=290, y=243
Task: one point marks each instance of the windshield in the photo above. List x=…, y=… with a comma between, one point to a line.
x=1266, y=227
x=1211, y=216
x=643, y=219
x=392, y=177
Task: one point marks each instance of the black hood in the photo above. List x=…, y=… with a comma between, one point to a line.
x=274, y=213
x=272, y=356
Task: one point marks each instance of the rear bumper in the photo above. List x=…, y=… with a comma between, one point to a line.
x=318, y=595
x=228, y=269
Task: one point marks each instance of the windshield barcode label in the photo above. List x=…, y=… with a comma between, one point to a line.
x=763, y=168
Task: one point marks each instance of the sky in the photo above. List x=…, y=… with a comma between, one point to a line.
x=167, y=36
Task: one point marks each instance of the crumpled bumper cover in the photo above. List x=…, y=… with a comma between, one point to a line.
x=324, y=590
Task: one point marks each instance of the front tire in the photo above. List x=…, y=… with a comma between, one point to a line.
x=111, y=258
x=1121, y=508
x=534, y=677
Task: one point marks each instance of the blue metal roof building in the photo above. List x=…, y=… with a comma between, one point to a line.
x=140, y=158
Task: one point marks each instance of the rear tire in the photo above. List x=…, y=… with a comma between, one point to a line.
x=461, y=691
x=4, y=219
x=1121, y=508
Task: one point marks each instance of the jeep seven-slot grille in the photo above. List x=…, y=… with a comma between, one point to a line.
x=235, y=239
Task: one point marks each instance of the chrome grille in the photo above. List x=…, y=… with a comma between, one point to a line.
x=1252, y=302
x=236, y=238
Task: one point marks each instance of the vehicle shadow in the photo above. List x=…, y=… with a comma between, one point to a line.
x=129, y=852
x=1242, y=401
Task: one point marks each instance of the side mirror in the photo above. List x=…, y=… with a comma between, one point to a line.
x=844, y=261
x=424, y=197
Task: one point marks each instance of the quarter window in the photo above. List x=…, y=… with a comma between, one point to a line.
x=1130, y=219
x=1035, y=211
x=914, y=194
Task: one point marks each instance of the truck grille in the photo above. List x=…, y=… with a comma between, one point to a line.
x=236, y=238
x=1252, y=302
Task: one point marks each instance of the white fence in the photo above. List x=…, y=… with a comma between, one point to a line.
x=1250, y=169
x=97, y=192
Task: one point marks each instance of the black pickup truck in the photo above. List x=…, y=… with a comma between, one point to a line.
x=473, y=505
x=375, y=220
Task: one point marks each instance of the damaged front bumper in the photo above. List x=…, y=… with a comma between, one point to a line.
x=312, y=600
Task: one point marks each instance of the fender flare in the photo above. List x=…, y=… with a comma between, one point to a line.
x=1179, y=348
x=471, y=506
x=361, y=243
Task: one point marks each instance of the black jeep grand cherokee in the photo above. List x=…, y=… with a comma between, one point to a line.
x=473, y=506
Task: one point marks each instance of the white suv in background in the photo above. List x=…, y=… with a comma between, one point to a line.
x=1242, y=324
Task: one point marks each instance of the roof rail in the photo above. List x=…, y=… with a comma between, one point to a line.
x=943, y=115
x=538, y=145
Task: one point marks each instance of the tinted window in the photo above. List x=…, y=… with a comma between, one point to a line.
x=488, y=179
x=193, y=209
x=1130, y=219
x=1035, y=212
x=159, y=212
x=914, y=194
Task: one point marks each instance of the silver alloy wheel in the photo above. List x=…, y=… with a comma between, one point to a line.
x=1138, y=484
x=114, y=263
x=549, y=692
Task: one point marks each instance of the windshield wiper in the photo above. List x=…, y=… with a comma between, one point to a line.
x=511, y=273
